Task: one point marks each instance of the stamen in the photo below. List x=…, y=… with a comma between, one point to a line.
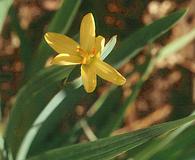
x=94, y=51
x=84, y=61
x=83, y=52
x=77, y=49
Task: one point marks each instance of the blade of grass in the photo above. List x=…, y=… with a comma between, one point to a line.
x=50, y=126
x=135, y=42
x=174, y=46
x=30, y=101
x=29, y=137
x=158, y=144
x=177, y=148
x=108, y=148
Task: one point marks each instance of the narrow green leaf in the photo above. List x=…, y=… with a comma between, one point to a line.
x=179, y=148
x=32, y=132
x=108, y=148
x=30, y=101
x=4, y=7
x=176, y=45
x=50, y=127
x=135, y=42
x=159, y=144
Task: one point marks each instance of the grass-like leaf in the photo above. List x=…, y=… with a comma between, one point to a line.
x=108, y=148
x=176, y=45
x=135, y=42
x=30, y=101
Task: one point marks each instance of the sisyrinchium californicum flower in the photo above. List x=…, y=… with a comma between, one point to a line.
x=87, y=53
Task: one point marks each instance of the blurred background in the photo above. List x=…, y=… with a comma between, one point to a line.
x=168, y=94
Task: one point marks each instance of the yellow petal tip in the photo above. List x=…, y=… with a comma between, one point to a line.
x=90, y=15
x=89, y=90
x=122, y=81
x=47, y=37
x=46, y=34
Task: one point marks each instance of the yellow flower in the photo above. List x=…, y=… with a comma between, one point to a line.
x=87, y=53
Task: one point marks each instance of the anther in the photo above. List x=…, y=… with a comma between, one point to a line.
x=94, y=51
x=83, y=52
x=78, y=49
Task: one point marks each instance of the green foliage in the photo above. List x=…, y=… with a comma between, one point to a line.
x=30, y=101
x=142, y=37
x=108, y=148
x=43, y=102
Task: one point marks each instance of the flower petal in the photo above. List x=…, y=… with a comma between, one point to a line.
x=99, y=44
x=87, y=32
x=61, y=43
x=88, y=77
x=107, y=72
x=67, y=59
x=108, y=47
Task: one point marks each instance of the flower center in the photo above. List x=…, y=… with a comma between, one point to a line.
x=87, y=56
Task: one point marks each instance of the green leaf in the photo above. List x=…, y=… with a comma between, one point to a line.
x=182, y=142
x=178, y=148
x=135, y=42
x=108, y=148
x=64, y=110
x=176, y=45
x=60, y=23
x=30, y=101
x=4, y=7
x=32, y=132
x=159, y=144
x=162, y=142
